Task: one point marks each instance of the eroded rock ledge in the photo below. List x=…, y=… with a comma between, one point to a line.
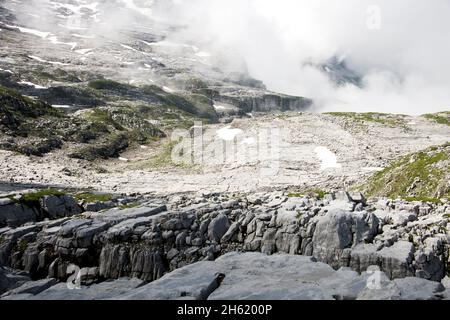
x=342, y=230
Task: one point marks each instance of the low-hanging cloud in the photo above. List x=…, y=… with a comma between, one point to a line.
x=400, y=47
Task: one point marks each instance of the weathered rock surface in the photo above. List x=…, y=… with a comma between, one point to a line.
x=15, y=210
x=14, y=215
x=150, y=241
x=62, y=206
x=253, y=276
x=102, y=291
x=32, y=287
x=10, y=279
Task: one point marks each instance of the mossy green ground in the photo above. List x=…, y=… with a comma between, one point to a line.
x=92, y=198
x=36, y=196
x=385, y=119
x=441, y=117
x=421, y=176
x=164, y=157
x=102, y=117
x=33, y=199
x=320, y=194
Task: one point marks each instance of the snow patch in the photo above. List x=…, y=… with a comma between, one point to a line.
x=128, y=47
x=30, y=84
x=70, y=27
x=84, y=51
x=228, y=134
x=54, y=40
x=7, y=71
x=46, y=61
x=61, y=106
x=169, y=90
x=34, y=32
x=328, y=158
x=219, y=107
x=203, y=54
x=76, y=35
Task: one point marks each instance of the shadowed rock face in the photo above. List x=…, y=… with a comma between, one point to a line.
x=16, y=212
x=11, y=279
x=246, y=276
x=149, y=241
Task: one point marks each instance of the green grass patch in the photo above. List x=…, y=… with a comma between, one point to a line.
x=295, y=195
x=423, y=199
x=37, y=196
x=92, y=197
x=103, y=117
x=164, y=158
x=441, y=118
x=423, y=176
x=319, y=194
x=105, y=84
x=385, y=119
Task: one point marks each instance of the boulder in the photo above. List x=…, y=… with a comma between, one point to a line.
x=98, y=206
x=396, y=260
x=401, y=218
x=60, y=206
x=339, y=230
x=363, y=256
x=15, y=215
x=358, y=197
x=419, y=289
x=232, y=231
x=218, y=228
x=430, y=260
x=343, y=196
x=89, y=276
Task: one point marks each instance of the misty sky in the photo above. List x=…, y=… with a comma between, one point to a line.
x=401, y=47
